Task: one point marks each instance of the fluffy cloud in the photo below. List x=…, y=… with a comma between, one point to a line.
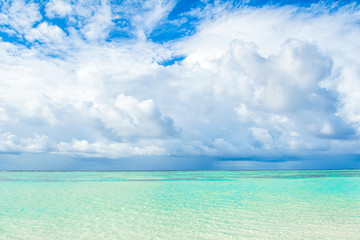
x=348, y=85
x=78, y=97
x=253, y=81
x=282, y=67
x=128, y=117
x=46, y=33
x=58, y=8
x=111, y=150
x=10, y=143
x=19, y=16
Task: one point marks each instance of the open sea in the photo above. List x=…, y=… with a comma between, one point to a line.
x=321, y=204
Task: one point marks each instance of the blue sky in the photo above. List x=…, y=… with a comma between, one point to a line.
x=91, y=85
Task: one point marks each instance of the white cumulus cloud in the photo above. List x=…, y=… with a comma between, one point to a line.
x=253, y=81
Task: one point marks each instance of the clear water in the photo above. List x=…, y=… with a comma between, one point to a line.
x=180, y=205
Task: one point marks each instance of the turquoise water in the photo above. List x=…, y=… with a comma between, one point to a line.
x=320, y=204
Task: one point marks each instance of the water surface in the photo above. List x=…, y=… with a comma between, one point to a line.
x=323, y=204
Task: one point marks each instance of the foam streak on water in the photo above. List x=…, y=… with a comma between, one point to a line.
x=320, y=204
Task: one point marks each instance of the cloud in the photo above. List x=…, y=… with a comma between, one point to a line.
x=10, y=143
x=277, y=75
x=262, y=135
x=348, y=85
x=98, y=25
x=19, y=16
x=111, y=150
x=79, y=104
x=127, y=118
x=143, y=16
x=58, y=8
x=46, y=33
x=283, y=82
x=250, y=81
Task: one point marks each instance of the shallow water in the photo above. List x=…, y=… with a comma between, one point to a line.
x=323, y=204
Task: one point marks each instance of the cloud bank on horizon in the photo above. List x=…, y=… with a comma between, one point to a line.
x=100, y=79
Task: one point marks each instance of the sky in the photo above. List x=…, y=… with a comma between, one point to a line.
x=187, y=85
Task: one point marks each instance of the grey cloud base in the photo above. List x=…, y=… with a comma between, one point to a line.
x=61, y=162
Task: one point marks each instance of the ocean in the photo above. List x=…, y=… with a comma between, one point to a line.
x=306, y=204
